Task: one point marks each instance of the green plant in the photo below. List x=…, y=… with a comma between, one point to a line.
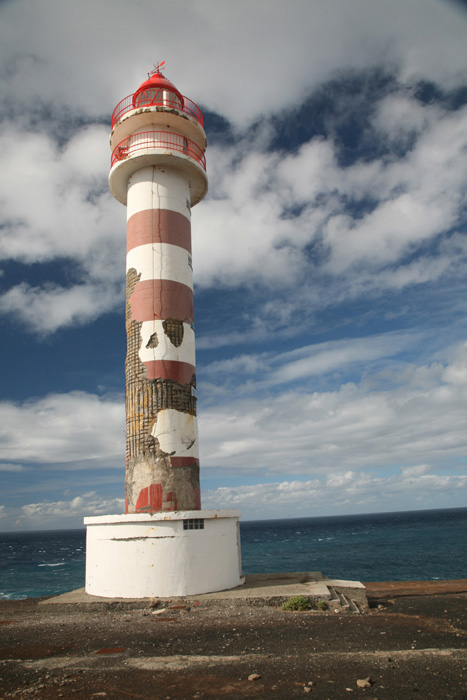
x=322, y=605
x=297, y=602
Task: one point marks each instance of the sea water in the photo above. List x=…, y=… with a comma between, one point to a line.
x=42, y=563
x=418, y=545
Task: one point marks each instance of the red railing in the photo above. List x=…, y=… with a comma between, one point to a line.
x=147, y=140
x=128, y=104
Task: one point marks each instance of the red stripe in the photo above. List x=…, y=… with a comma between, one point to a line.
x=158, y=226
x=172, y=498
x=180, y=372
x=184, y=461
x=149, y=499
x=161, y=299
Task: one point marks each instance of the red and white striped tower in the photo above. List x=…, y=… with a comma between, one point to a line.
x=158, y=171
x=164, y=544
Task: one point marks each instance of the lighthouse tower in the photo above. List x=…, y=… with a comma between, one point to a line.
x=165, y=544
x=158, y=169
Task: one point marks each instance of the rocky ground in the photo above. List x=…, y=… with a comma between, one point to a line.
x=411, y=644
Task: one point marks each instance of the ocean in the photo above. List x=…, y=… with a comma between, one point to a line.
x=415, y=545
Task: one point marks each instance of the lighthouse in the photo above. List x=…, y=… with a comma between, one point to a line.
x=164, y=544
x=158, y=170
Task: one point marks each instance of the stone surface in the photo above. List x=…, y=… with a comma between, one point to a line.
x=212, y=649
x=258, y=589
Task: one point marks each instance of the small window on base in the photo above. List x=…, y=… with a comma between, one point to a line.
x=193, y=524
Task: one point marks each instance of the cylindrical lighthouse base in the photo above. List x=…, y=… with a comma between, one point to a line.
x=163, y=555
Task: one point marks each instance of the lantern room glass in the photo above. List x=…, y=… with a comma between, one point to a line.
x=157, y=96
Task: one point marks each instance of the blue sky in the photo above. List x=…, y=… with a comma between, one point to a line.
x=329, y=256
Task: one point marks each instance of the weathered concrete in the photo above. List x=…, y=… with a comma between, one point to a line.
x=258, y=589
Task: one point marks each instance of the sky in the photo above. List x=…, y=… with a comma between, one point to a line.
x=329, y=256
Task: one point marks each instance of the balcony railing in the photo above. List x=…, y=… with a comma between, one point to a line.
x=128, y=104
x=148, y=140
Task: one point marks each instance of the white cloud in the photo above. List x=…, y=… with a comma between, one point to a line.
x=247, y=217
x=45, y=309
x=349, y=492
x=6, y=467
x=378, y=423
x=393, y=441
x=345, y=492
x=255, y=195
x=418, y=197
x=56, y=202
x=72, y=50
x=399, y=116
x=85, y=504
x=415, y=471
x=63, y=428
x=55, y=205
x=416, y=416
x=64, y=513
x=327, y=357
x=272, y=368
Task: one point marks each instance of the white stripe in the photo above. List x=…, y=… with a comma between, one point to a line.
x=177, y=433
x=161, y=261
x=165, y=350
x=153, y=188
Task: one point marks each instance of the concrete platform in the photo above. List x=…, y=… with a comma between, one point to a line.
x=258, y=589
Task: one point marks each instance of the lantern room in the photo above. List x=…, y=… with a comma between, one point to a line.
x=157, y=90
x=157, y=125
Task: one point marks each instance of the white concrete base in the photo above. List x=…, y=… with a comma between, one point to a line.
x=145, y=556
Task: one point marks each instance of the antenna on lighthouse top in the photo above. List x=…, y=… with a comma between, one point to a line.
x=157, y=69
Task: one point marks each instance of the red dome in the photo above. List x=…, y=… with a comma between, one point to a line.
x=157, y=90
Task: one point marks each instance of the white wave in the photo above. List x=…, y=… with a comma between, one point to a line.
x=62, y=563
x=11, y=596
